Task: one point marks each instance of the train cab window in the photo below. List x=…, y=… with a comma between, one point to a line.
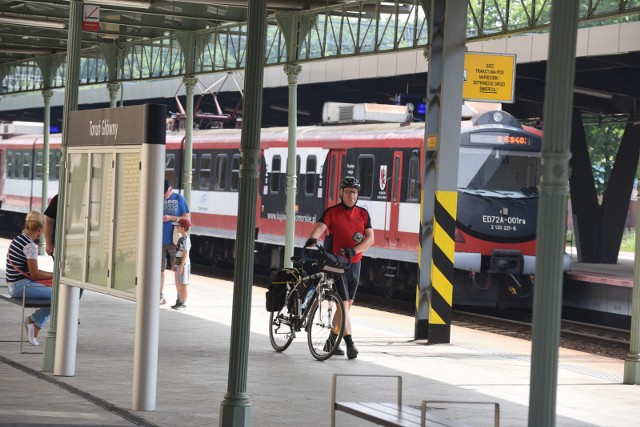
x=10, y=165
x=170, y=168
x=274, y=178
x=366, y=164
x=310, y=176
x=235, y=172
x=193, y=171
x=39, y=164
x=413, y=189
x=54, y=165
x=204, y=176
x=221, y=172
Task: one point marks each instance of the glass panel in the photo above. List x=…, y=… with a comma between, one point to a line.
x=39, y=165
x=221, y=172
x=170, y=169
x=275, y=174
x=100, y=212
x=310, y=177
x=193, y=171
x=11, y=171
x=365, y=176
x=413, y=190
x=75, y=224
x=204, y=180
x=26, y=165
x=396, y=179
x=235, y=172
x=125, y=241
x=54, y=165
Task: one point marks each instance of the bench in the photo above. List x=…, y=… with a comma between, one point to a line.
x=24, y=303
x=395, y=414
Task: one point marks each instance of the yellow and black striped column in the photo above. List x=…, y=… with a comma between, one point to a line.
x=442, y=266
x=434, y=293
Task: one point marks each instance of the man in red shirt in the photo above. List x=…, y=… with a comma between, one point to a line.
x=350, y=227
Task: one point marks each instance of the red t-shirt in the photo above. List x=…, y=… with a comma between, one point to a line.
x=343, y=224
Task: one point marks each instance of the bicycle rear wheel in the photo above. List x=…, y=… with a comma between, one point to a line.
x=280, y=329
x=322, y=316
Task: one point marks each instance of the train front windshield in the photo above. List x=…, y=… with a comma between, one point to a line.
x=499, y=170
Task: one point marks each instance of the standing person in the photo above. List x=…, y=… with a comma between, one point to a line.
x=183, y=265
x=23, y=273
x=350, y=227
x=175, y=207
x=50, y=215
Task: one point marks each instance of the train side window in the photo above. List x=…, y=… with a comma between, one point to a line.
x=235, y=172
x=413, y=189
x=221, y=172
x=298, y=174
x=10, y=165
x=170, y=168
x=17, y=165
x=274, y=179
x=26, y=165
x=204, y=176
x=310, y=176
x=54, y=165
x=194, y=159
x=39, y=164
x=366, y=164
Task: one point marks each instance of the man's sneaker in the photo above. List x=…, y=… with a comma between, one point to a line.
x=352, y=352
x=179, y=305
x=329, y=343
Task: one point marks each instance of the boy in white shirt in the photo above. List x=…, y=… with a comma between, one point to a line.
x=183, y=265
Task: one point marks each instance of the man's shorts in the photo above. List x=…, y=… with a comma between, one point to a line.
x=348, y=285
x=183, y=279
x=168, y=253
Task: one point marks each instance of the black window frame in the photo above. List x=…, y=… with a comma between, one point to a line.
x=366, y=176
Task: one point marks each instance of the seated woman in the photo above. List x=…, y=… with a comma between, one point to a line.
x=23, y=272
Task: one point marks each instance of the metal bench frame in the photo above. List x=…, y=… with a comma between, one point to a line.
x=25, y=302
x=396, y=414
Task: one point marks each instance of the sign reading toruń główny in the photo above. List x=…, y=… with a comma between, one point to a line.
x=489, y=77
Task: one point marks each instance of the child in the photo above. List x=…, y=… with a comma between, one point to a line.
x=183, y=265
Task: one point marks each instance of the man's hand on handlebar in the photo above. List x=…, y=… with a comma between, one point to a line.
x=311, y=241
x=348, y=252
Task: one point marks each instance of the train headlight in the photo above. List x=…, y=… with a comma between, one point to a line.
x=498, y=116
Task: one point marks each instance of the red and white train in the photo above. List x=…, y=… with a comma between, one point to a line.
x=497, y=204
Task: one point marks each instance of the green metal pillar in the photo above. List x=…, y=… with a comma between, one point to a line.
x=632, y=362
x=70, y=104
x=292, y=71
x=46, y=95
x=235, y=409
x=552, y=213
x=113, y=89
x=187, y=174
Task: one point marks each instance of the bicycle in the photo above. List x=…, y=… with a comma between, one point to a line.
x=318, y=314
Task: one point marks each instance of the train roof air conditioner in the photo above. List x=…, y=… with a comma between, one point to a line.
x=342, y=112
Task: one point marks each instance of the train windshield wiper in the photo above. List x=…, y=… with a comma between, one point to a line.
x=506, y=196
x=479, y=193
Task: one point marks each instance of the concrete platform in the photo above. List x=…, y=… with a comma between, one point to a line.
x=289, y=388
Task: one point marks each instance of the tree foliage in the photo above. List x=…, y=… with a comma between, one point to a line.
x=603, y=141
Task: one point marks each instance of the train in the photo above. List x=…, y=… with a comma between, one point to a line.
x=495, y=236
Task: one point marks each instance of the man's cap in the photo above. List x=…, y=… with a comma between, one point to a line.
x=184, y=223
x=166, y=185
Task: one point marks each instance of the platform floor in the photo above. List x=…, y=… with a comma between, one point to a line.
x=290, y=388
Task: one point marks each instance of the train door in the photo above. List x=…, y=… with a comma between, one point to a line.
x=337, y=163
x=395, y=186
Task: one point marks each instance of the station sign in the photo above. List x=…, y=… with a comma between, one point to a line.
x=91, y=18
x=489, y=77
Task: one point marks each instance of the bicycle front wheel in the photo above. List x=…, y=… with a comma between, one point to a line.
x=280, y=329
x=323, y=315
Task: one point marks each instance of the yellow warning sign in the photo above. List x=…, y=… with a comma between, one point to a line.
x=489, y=77
x=432, y=141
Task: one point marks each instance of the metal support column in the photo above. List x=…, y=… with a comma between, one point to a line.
x=113, y=89
x=440, y=170
x=292, y=71
x=552, y=213
x=70, y=104
x=632, y=362
x=46, y=166
x=189, y=85
x=235, y=409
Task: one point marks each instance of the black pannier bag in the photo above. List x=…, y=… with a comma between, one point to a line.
x=320, y=260
x=277, y=293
